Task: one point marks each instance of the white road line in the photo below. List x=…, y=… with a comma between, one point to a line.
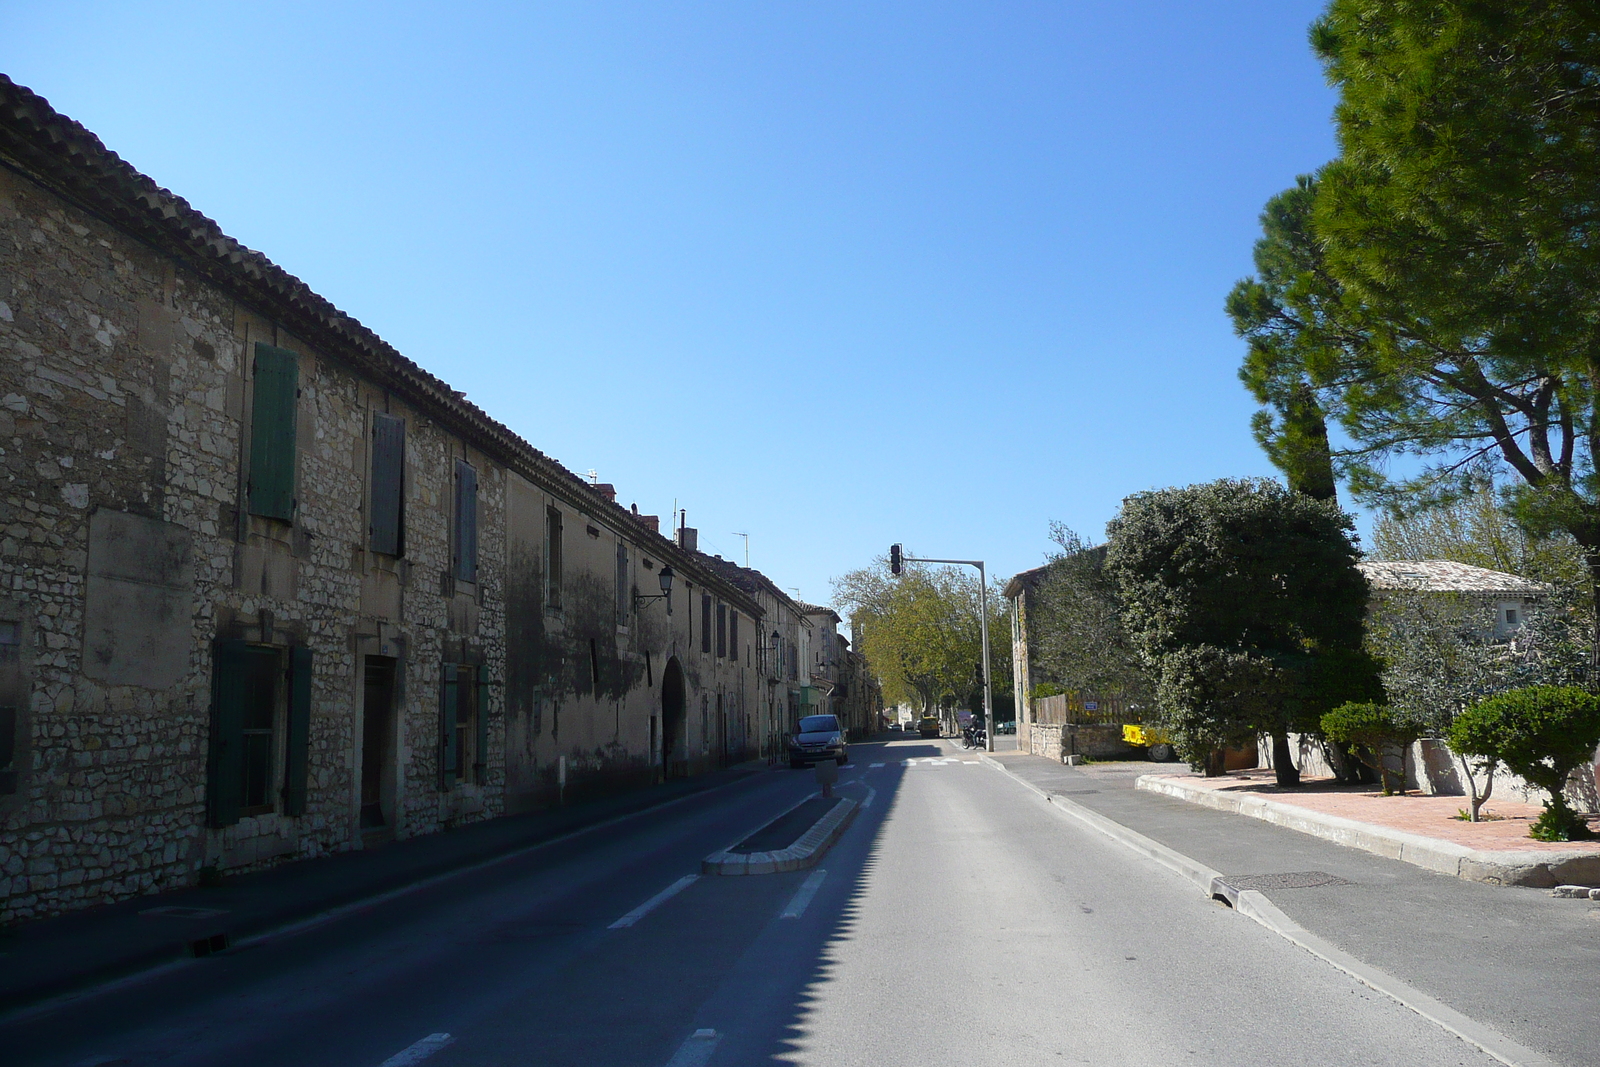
x=655, y=902
x=872, y=794
x=803, y=895
x=418, y=1051
x=696, y=1049
x=873, y=766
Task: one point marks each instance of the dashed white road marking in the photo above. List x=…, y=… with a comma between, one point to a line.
x=872, y=766
x=655, y=902
x=872, y=794
x=418, y=1051
x=803, y=895
x=696, y=1049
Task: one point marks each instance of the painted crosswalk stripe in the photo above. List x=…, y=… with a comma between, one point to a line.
x=655, y=902
x=696, y=1049
x=418, y=1051
x=803, y=895
x=871, y=766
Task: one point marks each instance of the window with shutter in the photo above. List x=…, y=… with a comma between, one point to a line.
x=386, y=531
x=733, y=635
x=552, y=558
x=297, y=733
x=722, y=631
x=624, y=584
x=244, y=699
x=480, y=719
x=705, y=623
x=466, y=539
x=448, y=704
x=272, y=432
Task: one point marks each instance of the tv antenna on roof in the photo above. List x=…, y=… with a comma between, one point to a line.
x=746, y=537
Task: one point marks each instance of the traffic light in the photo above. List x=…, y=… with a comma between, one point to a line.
x=895, y=565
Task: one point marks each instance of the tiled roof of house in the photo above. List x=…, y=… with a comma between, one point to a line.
x=1023, y=580
x=1445, y=576
x=63, y=156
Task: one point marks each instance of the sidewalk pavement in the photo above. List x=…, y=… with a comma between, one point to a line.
x=61, y=955
x=1514, y=958
x=1418, y=829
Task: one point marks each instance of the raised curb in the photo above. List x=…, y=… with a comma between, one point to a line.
x=803, y=853
x=1254, y=905
x=1541, y=870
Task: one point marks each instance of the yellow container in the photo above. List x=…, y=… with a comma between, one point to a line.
x=1144, y=736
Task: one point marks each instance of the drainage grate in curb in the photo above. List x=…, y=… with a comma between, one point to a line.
x=1293, y=880
x=1072, y=792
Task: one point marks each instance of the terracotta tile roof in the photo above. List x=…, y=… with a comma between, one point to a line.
x=63, y=156
x=1444, y=576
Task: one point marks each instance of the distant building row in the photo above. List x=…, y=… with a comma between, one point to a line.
x=268, y=589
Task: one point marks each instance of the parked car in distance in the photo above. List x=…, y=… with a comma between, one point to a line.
x=894, y=727
x=928, y=726
x=818, y=738
x=1005, y=727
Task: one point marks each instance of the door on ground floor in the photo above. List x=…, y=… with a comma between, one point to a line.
x=377, y=740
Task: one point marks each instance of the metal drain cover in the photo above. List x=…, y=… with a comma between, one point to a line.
x=1293, y=880
x=1072, y=792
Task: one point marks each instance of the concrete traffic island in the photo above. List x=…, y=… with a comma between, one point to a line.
x=794, y=840
x=1420, y=830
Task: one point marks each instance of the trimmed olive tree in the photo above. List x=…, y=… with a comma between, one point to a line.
x=1373, y=730
x=1543, y=733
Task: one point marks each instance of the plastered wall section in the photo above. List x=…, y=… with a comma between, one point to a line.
x=585, y=708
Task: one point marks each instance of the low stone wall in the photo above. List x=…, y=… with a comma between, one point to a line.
x=1057, y=742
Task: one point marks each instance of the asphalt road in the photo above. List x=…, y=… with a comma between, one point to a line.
x=958, y=921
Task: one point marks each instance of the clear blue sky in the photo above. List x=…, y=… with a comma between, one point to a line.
x=832, y=274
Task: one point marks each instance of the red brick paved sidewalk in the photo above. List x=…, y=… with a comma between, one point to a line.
x=1412, y=813
x=1413, y=828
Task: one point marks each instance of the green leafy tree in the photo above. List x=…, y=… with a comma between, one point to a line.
x=920, y=632
x=1244, y=599
x=1543, y=733
x=1078, y=632
x=1460, y=226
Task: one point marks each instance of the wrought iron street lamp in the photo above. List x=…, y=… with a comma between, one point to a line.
x=665, y=578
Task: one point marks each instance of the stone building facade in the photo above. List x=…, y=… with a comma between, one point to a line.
x=270, y=590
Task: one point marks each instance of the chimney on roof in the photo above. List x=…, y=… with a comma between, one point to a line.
x=652, y=521
x=607, y=490
x=688, y=539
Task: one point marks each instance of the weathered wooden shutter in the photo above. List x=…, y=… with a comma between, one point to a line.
x=705, y=623
x=449, y=701
x=272, y=432
x=386, y=531
x=466, y=540
x=297, y=733
x=733, y=635
x=481, y=705
x=722, y=630
x=225, y=755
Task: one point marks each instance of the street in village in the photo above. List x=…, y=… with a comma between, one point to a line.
x=960, y=918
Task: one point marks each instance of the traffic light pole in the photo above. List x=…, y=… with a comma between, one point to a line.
x=896, y=555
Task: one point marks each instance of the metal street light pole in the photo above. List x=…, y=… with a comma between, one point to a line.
x=983, y=626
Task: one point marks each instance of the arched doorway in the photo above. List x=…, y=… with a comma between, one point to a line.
x=673, y=704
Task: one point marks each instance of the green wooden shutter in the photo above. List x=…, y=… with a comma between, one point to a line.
x=297, y=740
x=225, y=756
x=466, y=546
x=272, y=432
x=481, y=763
x=448, y=702
x=386, y=531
